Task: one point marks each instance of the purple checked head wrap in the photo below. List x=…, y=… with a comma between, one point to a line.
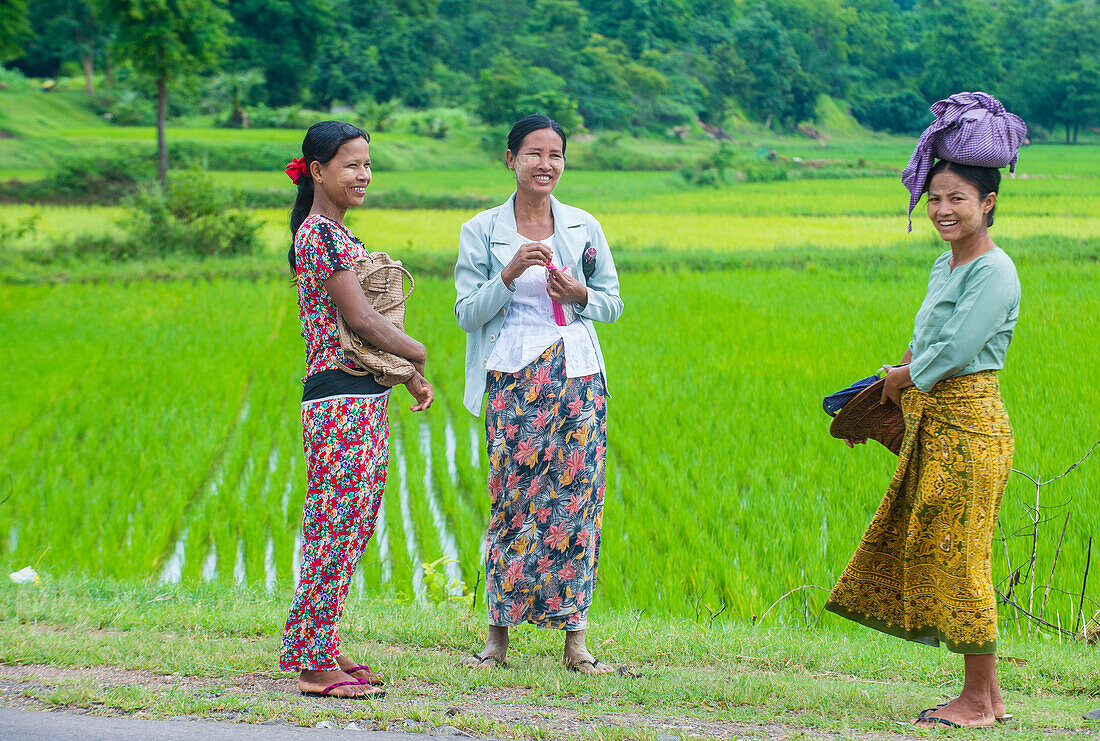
x=970, y=129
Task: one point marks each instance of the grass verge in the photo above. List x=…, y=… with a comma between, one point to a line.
x=155, y=651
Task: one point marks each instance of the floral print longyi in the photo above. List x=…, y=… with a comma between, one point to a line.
x=346, y=441
x=547, y=443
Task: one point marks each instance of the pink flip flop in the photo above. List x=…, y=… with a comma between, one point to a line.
x=376, y=695
x=368, y=670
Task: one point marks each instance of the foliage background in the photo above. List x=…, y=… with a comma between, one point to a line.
x=640, y=65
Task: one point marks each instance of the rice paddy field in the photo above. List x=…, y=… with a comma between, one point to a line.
x=152, y=428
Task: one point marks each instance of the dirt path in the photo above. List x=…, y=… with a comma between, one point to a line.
x=41, y=687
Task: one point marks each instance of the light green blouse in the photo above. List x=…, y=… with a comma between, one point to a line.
x=966, y=320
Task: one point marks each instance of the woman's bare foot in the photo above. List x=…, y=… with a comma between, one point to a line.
x=311, y=682
x=494, y=653
x=367, y=675
x=577, y=658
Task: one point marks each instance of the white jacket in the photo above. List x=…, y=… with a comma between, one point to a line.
x=486, y=245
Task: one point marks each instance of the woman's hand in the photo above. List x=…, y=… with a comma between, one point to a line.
x=897, y=379
x=565, y=289
x=852, y=442
x=421, y=391
x=527, y=256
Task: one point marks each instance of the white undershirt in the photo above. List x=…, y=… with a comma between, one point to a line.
x=529, y=327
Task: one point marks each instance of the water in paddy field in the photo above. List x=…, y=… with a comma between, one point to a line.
x=475, y=447
x=398, y=456
x=210, y=564
x=173, y=567
x=238, y=567
x=269, y=565
x=382, y=535
x=450, y=444
x=296, y=564
x=446, y=540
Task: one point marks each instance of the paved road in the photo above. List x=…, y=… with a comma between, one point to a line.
x=37, y=725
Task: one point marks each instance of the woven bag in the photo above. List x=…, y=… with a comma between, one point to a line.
x=866, y=417
x=383, y=282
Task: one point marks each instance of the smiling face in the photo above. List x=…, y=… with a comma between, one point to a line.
x=345, y=177
x=539, y=162
x=956, y=208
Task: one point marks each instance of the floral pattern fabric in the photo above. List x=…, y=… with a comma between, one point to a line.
x=922, y=570
x=346, y=440
x=547, y=442
x=321, y=247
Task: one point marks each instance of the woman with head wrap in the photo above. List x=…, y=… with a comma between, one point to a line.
x=533, y=274
x=922, y=569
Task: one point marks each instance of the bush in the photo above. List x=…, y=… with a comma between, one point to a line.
x=262, y=117
x=398, y=198
x=192, y=218
x=373, y=116
x=712, y=170
x=901, y=113
x=726, y=167
x=429, y=125
x=229, y=155
x=100, y=177
x=613, y=151
x=13, y=79
x=124, y=106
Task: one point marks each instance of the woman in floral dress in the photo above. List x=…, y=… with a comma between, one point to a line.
x=345, y=428
x=533, y=275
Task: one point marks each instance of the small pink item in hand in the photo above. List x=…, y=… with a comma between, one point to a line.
x=559, y=312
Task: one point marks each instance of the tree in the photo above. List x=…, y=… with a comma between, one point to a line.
x=283, y=39
x=68, y=29
x=166, y=40
x=15, y=29
x=510, y=89
x=960, y=52
x=777, y=89
x=1060, y=77
x=235, y=90
x=819, y=31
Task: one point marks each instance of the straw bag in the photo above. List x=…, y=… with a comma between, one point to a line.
x=861, y=415
x=383, y=282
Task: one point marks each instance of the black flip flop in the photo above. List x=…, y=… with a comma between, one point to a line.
x=576, y=665
x=945, y=721
x=482, y=659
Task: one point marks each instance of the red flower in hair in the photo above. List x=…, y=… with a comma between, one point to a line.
x=296, y=170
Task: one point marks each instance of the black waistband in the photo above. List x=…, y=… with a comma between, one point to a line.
x=336, y=382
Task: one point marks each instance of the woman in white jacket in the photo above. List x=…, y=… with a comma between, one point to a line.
x=532, y=276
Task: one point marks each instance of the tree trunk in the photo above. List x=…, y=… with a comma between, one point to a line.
x=88, y=63
x=1076, y=127
x=162, y=145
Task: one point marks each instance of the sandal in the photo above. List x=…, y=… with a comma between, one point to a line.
x=376, y=695
x=575, y=666
x=375, y=679
x=482, y=659
x=933, y=718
